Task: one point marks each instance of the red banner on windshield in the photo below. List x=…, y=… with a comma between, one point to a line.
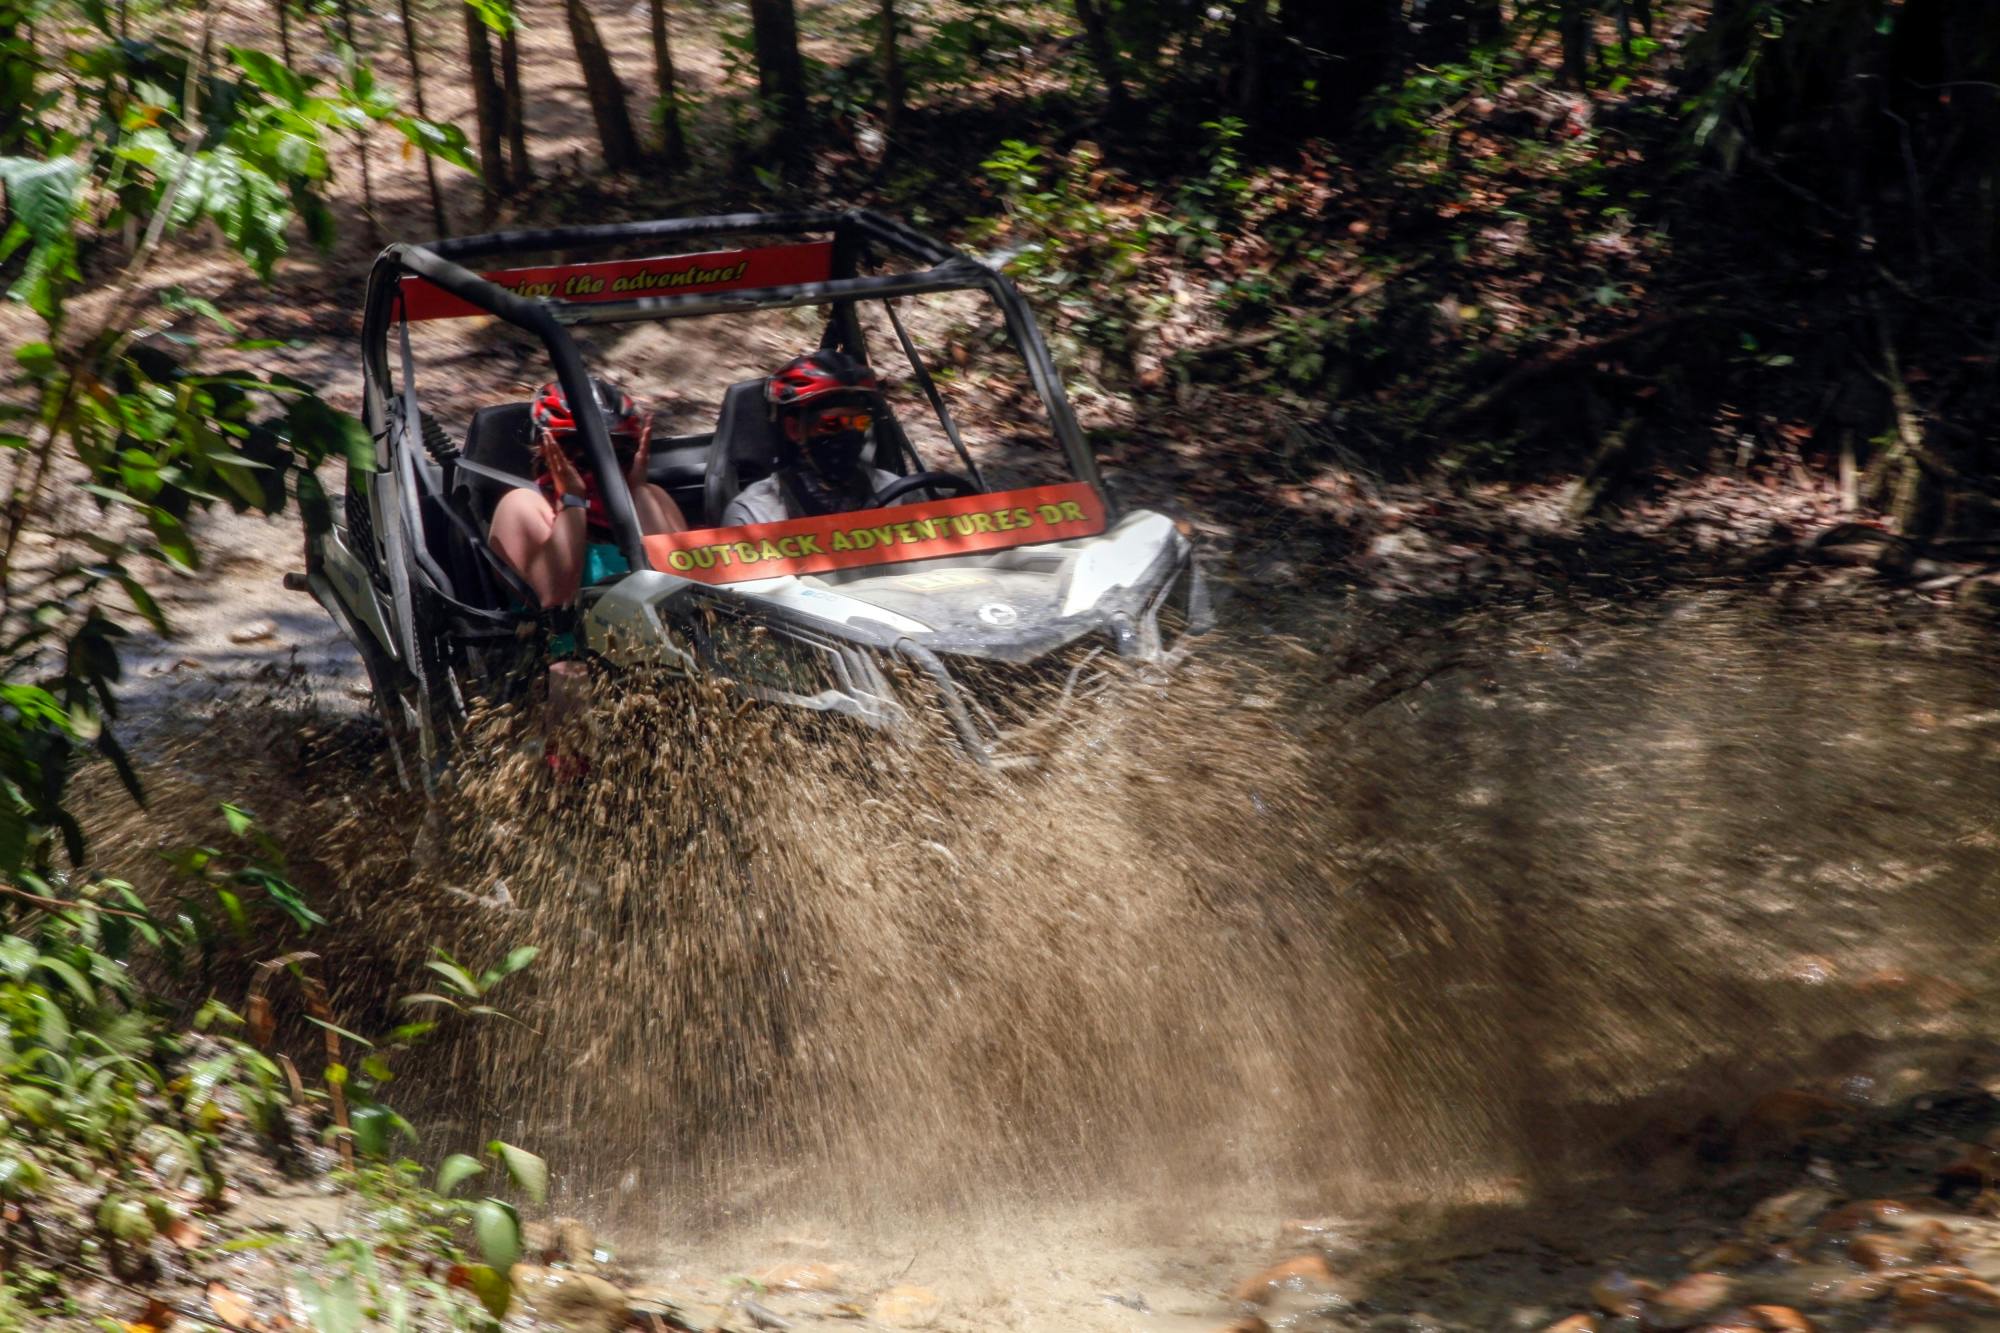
x=624, y=279
x=889, y=536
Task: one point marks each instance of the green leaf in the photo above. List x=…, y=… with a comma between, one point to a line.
x=495, y=14
x=515, y=960
x=378, y=1130
x=240, y=820
x=528, y=1171
x=42, y=195
x=269, y=73
x=17, y=957
x=70, y=977
x=460, y=979
x=497, y=1232
x=492, y=1288
x=19, y=1177
x=175, y=543
x=333, y=1308
x=455, y=1170
x=125, y=1219
x=443, y=141
x=318, y=431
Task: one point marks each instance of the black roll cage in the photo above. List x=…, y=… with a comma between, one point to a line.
x=857, y=235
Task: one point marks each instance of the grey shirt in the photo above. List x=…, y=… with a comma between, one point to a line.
x=764, y=501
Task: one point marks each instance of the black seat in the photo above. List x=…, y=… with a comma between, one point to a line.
x=745, y=447
x=501, y=438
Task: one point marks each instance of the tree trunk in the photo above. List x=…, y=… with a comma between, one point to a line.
x=1104, y=55
x=892, y=75
x=1578, y=41
x=489, y=106
x=1342, y=52
x=1452, y=28
x=417, y=97
x=606, y=92
x=519, y=169
x=284, y=8
x=673, y=144
x=374, y=229
x=781, y=76
x=1251, y=21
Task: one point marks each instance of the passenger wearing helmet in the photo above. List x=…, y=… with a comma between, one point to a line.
x=825, y=404
x=558, y=536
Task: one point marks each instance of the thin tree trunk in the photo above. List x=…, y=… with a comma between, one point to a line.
x=519, y=169
x=892, y=75
x=417, y=92
x=284, y=8
x=361, y=135
x=781, y=76
x=1251, y=20
x=673, y=144
x=488, y=107
x=1104, y=55
x=606, y=91
x=1577, y=42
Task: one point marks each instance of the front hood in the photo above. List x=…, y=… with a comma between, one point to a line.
x=1004, y=604
x=1008, y=605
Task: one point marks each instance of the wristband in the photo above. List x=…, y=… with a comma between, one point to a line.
x=575, y=502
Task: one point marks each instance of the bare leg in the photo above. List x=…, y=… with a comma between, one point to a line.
x=657, y=510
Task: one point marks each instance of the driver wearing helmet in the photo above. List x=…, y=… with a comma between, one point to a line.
x=825, y=404
x=558, y=536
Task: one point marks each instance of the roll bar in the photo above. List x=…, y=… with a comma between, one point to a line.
x=853, y=231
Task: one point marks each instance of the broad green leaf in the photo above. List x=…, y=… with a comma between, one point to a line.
x=319, y=431
x=70, y=977
x=497, y=1231
x=495, y=14
x=455, y=1170
x=269, y=73
x=239, y=820
x=334, y=1307
x=42, y=195
x=528, y=1171
x=492, y=1288
x=378, y=1130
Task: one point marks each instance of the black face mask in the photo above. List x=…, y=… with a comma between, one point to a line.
x=836, y=458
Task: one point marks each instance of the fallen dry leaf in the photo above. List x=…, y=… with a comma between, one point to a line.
x=231, y=1308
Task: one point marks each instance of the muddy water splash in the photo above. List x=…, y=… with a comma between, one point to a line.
x=1372, y=911
x=781, y=956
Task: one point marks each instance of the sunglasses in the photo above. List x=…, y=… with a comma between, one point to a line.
x=836, y=423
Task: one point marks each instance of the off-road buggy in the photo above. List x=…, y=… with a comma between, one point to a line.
x=961, y=597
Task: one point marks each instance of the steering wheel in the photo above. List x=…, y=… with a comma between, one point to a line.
x=922, y=481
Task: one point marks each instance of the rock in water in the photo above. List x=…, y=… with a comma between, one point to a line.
x=255, y=632
x=906, y=1305
x=1689, y=1301
x=1619, y=1295
x=1300, y=1271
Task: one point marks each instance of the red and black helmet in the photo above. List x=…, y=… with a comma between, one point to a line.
x=621, y=415
x=807, y=380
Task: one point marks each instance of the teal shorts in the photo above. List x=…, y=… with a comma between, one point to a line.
x=601, y=561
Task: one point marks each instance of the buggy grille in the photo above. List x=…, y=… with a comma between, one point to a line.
x=1013, y=703
x=361, y=533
